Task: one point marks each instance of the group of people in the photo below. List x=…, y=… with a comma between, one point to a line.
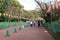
x=36, y=23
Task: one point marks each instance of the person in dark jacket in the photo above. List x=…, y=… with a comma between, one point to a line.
x=38, y=23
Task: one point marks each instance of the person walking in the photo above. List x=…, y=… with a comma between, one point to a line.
x=34, y=23
x=31, y=23
x=38, y=23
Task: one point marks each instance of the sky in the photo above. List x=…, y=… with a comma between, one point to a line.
x=28, y=4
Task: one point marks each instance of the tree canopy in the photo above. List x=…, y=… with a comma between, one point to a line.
x=10, y=7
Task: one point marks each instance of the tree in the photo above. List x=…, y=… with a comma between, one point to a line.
x=10, y=7
x=47, y=10
x=44, y=8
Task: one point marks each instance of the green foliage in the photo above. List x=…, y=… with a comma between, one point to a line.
x=2, y=6
x=58, y=21
x=36, y=14
x=12, y=7
x=4, y=18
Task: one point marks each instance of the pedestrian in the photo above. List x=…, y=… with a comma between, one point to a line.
x=31, y=23
x=34, y=23
x=38, y=23
x=41, y=22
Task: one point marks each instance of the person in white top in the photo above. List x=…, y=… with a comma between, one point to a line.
x=31, y=23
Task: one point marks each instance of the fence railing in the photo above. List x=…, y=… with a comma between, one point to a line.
x=53, y=27
x=10, y=24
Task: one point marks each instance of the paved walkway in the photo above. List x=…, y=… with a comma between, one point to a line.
x=29, y=33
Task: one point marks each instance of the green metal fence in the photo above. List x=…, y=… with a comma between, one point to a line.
x=53, y=26
x=9, y=24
